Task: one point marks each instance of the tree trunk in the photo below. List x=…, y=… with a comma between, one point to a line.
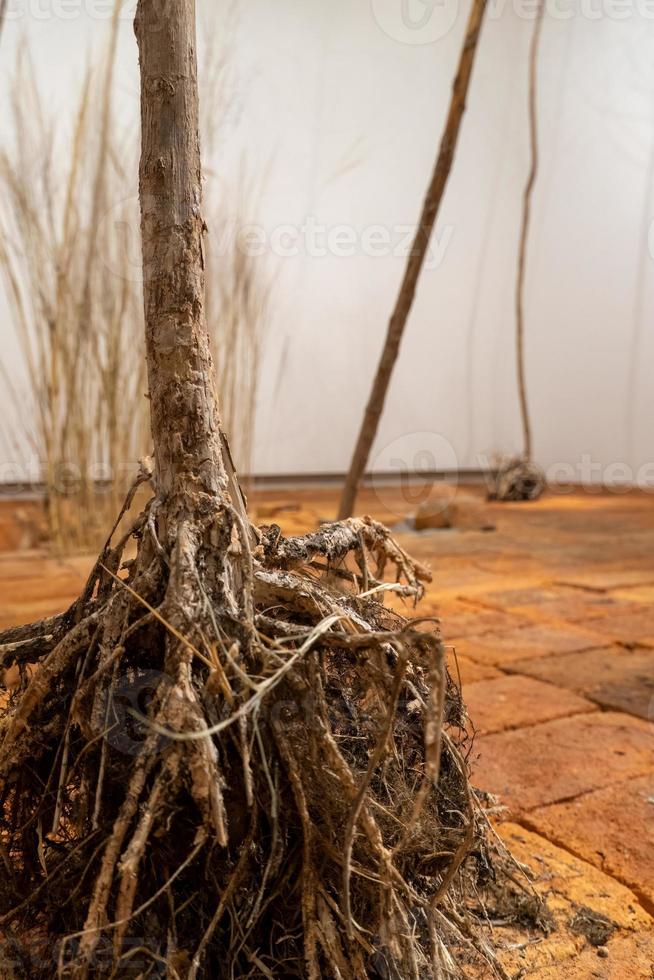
x=524, y=232
x=417, y=256
x=246, y=784
x=192, y=469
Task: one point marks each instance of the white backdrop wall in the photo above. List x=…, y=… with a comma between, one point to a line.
x=341, y=103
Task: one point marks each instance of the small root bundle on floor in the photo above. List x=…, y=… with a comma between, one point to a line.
x=517, y=479
x=229, y=759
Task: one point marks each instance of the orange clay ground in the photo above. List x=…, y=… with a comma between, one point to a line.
x=550, y=618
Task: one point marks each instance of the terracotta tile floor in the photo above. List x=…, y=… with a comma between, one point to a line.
x=551, y=620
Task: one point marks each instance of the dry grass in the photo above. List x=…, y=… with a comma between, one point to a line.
x=69, y=255
x=74, y=320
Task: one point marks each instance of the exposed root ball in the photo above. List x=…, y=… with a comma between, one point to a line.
x=228, y=759
x=518, y=479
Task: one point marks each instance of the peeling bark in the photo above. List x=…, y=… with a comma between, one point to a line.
x=285, y=804
x=192, y=472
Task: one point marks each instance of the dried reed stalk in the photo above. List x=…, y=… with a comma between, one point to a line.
x=520, y=478
x=75, y=307
x=68, y=241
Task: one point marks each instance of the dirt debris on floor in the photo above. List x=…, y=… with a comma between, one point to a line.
x=549, y=624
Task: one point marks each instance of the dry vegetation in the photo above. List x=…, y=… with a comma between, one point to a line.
x=267, y=782
x=520, y=478
x=227, y=758
x=70, y=259
x=75, y=307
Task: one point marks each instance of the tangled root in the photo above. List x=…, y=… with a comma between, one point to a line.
x=516, y=480
x=229, y=759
